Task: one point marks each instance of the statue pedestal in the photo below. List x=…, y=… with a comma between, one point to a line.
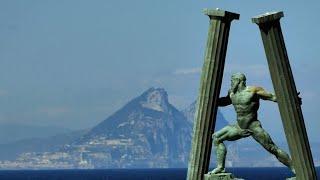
x=220, y=176
x=292, y=178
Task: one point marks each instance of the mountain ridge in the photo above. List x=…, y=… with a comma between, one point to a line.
x=146, y=132
x=149, y=121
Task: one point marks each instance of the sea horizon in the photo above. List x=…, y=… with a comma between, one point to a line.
x=248, y=173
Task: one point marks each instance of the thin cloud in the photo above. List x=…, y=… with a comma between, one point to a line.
x=310, y=95
x=257, y=70
x=187, y=71
x=54, y=111
x=3, y=92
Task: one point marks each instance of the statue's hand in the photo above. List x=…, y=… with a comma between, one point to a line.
x=245, y=133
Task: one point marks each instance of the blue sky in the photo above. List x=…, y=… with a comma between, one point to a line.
x=72, y=63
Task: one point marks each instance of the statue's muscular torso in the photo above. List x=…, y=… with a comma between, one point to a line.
x=246, y=105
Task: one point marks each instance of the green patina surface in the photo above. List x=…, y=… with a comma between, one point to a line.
x=246, y=101
x=209, y=91
x=221, y=176
x=287, y=95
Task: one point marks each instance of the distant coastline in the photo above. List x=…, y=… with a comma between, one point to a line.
x=269, y=173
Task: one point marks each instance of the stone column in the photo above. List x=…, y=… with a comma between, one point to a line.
x=287, y=97
x=210, y=85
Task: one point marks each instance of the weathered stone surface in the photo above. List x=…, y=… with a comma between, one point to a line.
x=267, y=17
x=210, y=86
x=285, y=89
x=220, y=176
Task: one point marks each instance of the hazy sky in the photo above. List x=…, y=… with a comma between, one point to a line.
x=72, y=63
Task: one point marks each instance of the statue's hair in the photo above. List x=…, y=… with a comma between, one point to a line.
x=239, y=76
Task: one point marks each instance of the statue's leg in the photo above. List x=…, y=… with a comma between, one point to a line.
x=220, y=149
x=230, y=133
x=263, y=138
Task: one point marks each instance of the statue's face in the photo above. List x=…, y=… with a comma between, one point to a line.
x=234, y=83
x=236, y=79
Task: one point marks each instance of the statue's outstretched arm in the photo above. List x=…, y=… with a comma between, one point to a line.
x=263, y=94
x=270, y=96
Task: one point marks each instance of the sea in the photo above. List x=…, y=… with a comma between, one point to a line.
x=139, y=174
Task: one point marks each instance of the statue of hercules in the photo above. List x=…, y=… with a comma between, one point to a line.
x=245, y=100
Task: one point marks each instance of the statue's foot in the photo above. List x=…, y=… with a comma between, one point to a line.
x=218, y=170
x=293, y=170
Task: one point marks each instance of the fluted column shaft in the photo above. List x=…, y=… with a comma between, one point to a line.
x=287, y=97
x=210, y=86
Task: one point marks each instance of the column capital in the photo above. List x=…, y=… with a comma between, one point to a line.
x=220, y=14
x=267, y=17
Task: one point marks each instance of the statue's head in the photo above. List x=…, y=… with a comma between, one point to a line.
x=237, y=79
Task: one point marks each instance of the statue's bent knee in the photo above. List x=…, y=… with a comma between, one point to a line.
x=280, y=152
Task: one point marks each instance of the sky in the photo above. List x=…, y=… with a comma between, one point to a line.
x=73, y=63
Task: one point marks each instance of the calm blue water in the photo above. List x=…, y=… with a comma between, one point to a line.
x=137, y=174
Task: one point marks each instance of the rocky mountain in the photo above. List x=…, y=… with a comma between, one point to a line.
x=147, y=132
x=149, y=113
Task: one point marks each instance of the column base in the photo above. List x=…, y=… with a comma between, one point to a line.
x=220, y=176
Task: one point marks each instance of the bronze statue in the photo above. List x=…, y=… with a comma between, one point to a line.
x=245, y=100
